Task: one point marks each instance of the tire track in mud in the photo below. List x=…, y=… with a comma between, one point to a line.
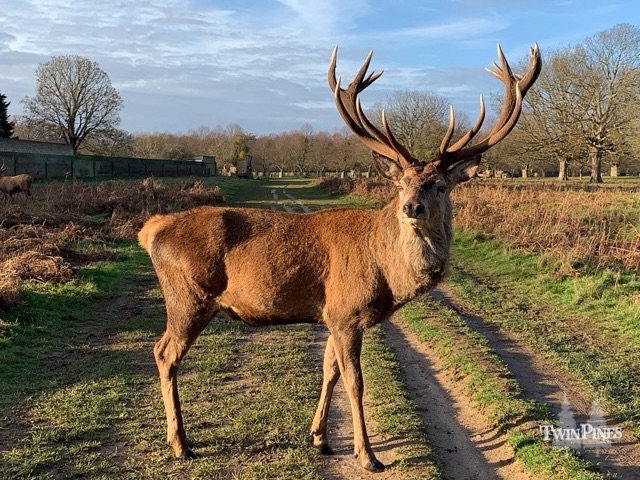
x=468, y=446
x=543, y=382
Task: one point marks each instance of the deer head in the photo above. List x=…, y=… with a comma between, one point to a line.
x=424, y=185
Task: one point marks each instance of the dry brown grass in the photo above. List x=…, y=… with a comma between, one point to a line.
x=67, y=225
x=570, y=224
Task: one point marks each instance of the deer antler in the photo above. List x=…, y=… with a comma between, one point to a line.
x=348, y=104
x=3, y=167
x=516, y=87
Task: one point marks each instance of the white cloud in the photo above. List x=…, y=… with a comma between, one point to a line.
x=457, y=30
x=180, y=64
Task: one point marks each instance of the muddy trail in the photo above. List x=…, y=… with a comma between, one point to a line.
x=467, y=446
x=455, y=428
x=543, y=382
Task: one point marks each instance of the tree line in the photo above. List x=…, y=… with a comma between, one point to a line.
x=581, y=114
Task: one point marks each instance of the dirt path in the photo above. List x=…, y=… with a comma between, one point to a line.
x=342, y=465
x=467, y=445
x=456, y=429
x=543, y=382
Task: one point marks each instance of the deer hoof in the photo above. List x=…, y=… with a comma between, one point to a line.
x=325, y=449
x=374, y=466
x=188, y=455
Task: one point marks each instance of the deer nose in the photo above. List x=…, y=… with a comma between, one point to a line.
x=413, y=210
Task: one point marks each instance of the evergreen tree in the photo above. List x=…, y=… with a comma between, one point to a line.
x=6, y=127
x=597, y=439
x=566, y=422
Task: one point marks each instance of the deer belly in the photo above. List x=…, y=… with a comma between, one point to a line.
x=272, y=306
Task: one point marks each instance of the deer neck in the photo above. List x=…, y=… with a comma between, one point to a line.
x=413, y=260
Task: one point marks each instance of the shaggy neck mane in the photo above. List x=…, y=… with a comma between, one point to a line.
x=413, y=260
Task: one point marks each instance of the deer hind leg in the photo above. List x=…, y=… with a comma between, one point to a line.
x=183, y=327
x=331, y=374
x=348, y=345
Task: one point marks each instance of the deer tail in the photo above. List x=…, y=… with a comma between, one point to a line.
x=147, y=233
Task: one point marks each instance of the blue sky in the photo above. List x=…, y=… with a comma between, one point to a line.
x=182, y=64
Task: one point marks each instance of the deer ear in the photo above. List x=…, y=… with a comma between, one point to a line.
x=465, y=170
x=386, y=167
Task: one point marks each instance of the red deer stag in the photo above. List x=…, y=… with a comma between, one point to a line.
x=14, y=184
x=355, y=266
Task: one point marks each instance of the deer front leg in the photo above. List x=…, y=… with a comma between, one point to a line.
x=331, y=374
x=347, y=346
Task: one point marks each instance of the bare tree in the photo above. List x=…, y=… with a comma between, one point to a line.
x=418, y=119
x=547, y=128
x=607, y=82
x=109, y=142
x=74, y=99
x=301, y=145
x=584, y=106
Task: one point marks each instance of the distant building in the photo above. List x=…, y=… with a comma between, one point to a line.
x=209, y=162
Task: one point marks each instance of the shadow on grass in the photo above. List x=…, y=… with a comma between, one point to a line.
x=77, y=352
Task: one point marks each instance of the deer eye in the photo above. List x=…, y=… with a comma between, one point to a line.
x=441, y=189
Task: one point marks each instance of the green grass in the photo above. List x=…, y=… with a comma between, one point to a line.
x=488, y=382
x=588, y=324
x=79, y=393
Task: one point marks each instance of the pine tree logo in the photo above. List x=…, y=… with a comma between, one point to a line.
x=596, y=432
x=567, y=434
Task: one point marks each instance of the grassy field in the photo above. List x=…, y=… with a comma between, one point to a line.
x=78, y=386
x=79, y=390
x=558, y=253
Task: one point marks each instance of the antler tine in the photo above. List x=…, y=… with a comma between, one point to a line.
x=447, y=136
x=350, y=109
x=503, y=73
x=398, y=147
x=331, y=73
x=366, y=123
x=516, y=87
x=533, y=69
x=466, y=138
x=360, y=131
